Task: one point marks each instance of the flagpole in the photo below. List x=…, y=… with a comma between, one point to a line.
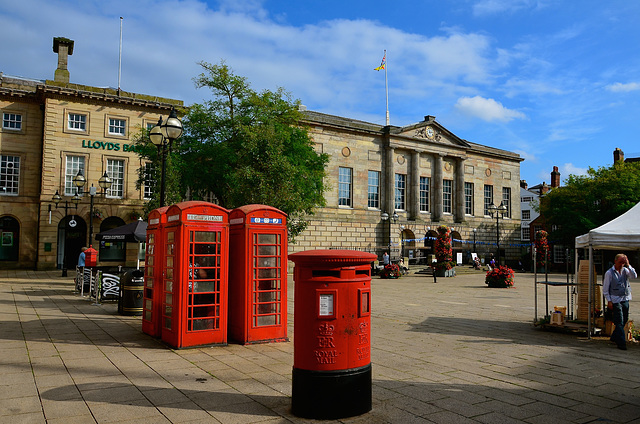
x=386, y=87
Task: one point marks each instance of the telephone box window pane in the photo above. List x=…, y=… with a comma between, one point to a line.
x=171, y=236
x=167, y=323
x=206, y=236
x=268, y=238
x=267, y=250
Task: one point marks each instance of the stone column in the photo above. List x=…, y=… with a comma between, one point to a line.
x=413, y=207
x=389, y=181
x=436, y=188
x=459, y=191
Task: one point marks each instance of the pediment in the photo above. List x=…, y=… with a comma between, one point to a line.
x=431, y=132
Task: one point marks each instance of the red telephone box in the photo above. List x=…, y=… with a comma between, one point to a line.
x=332, y=333
x=257, y=274
x=153, y=281
x=195, y=272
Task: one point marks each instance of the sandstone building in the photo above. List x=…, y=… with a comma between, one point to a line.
x=51, y=130
x=424, y=174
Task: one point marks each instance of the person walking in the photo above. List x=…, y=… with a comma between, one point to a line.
x=617, y=291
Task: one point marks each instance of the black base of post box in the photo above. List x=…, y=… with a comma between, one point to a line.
x=327, y=395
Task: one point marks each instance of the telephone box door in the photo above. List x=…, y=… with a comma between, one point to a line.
x=195, y=298
x=258, y=274
x=153, y=281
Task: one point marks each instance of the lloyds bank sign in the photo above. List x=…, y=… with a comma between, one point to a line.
x=107, y=145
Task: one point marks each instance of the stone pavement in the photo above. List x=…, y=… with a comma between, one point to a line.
x=451, y=352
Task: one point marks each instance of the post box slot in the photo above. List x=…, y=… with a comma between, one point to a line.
x=325, y=273
x=366, y=272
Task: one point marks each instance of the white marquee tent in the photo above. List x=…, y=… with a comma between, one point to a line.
x=621, y=233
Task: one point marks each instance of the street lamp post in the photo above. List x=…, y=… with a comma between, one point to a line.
x=104, y=182
x=385, y=217
x=474, y=240
x=499, y=212
x=56, y=200
x=162, y=135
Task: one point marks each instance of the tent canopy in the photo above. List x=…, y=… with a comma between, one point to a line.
x=622, y=232
x=133, y=232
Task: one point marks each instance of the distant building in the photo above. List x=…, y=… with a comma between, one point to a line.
x=422, y=172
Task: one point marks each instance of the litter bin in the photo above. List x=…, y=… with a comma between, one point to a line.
x=131, y=288
x=332, y=333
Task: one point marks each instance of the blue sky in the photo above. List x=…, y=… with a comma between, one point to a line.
x=557, y=82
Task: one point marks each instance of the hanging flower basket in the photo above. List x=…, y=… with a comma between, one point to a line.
x=542, y=247
x=500, y=277
x=97, y=214
x=390, y=271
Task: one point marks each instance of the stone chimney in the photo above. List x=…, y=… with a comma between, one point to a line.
x=545, y=188
x=555, y=177
x=64, y=48
x=523, y=184
x=618, y=155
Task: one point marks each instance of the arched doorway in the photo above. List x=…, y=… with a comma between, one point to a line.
x=429, y=246
x=112, y=251
x=456, y=245
x=408, y=245
x=10, y=238
x=72, y=235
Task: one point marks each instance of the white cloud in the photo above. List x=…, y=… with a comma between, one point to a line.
x=486, y=109
x=570, y=169
x=619, y=87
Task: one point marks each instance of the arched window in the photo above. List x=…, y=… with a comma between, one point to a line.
x=113, y=251
x=9, y=238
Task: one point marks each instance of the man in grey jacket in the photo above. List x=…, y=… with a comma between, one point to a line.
x=617, y=291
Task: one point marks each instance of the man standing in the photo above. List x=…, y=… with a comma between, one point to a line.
x=617, y=291
x=385, y=259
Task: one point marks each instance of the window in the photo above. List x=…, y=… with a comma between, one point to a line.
x=526, y=233
x=9, y=175
x=400, y=191
x=526, y=199
x=77, y=121
x=424, y=194
x=447, y=191
x=526, y=214
x=468, y=198
x=506, y=200
x=12, y=121
x=74, y=164
x=373, y=193
x=115, y=170
x=344, y=186
x=117, y=126
x=149, y=181
x=488, y=198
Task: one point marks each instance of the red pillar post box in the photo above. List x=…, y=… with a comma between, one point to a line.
x=332, y=333
x=195, y=272
x=257, y=274
x=153, y=281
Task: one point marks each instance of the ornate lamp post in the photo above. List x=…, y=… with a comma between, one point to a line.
x=104, y=182
x=162, y=135
x=499, y=212
x=385, y=217
x=56, y=200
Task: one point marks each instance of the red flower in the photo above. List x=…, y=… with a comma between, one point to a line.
x=501, y=276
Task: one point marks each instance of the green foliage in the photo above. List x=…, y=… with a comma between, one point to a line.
x=247, y=147
x=588, y=201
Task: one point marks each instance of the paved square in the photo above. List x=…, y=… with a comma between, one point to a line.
x=451, y=352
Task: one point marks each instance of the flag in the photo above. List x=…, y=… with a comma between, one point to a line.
x=383, y=64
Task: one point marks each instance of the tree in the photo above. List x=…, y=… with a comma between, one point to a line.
x=247, y=147
x=588, y=201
